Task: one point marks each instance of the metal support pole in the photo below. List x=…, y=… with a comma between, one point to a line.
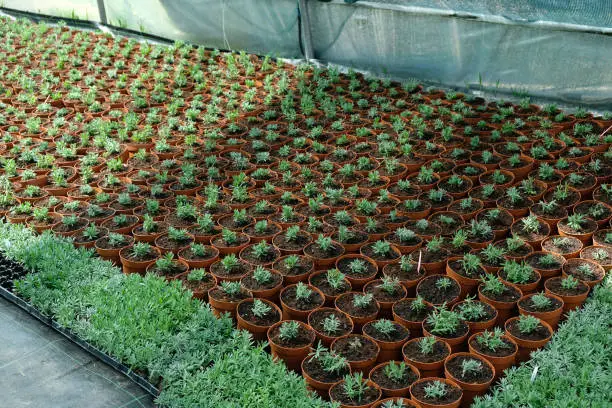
x=102, y=12
x=304, y=15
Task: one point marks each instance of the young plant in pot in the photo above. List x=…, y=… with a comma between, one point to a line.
x=501, y=295
x=329, y=324
x=396, y=402
x=436, y=393
x=529, y=333
x=199, y=282
x=531, y=230
x=361, y=308
x=427, y=354
x=433, y=256
x=515, y=203
x=263, y=283
x=496, y=347
x=225, y=298
x=545, y=307
x=108, y=246
x=256, y=316
x=323, y=368
x=599, y=255
x=324, y=251
x=69, y=226
x=262, y=231
x=407, y=272
x=291, y=341
x=350, y=239
x=547, y=264
x=584, y=270
x=358, y=269
x=332, y=283
x=521, y=275
x=577, y=226
x=565, y=246
x=174, y=240
x=410, y=313
x=261, y=253
x=230, y=268
x=168, y=267
x=550, y=212
x=198, y=255
x=448, y=221
x=467, y=207
x=149, y=230
x=292, y=241
x=360, y=351
x=478, y=315
x=138, y=257
x=89, y=236
x=569, y=289
x=394, y=378
x=473, y=373
x=354, y=391
x=230, y=242
x=447, y=325
x=297, y=301
x=515, y=248
x=294, y=268
x=492, y=258
x=386, y=291
x=439, y=289
x=467, y=270
x=390, y=337
x=382, y=252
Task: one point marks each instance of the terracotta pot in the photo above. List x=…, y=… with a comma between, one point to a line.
x=468, y=285
x=570, y=302
x=389, y=350
x=367, y=405
x=432, y=369
x=548, y=246
x=358, y=321
x=456, y=343
x=397, y=392
x=552, y=317
x=526, y=288
x=268, y=293
x=385, y=306
x=425, y=404
x=597, y=269
x=290, y=313
x=357, y=283
x=499, y=362
x=324, y=338
x=405, y=401
x=258, y=332
x=504, y=309
x=477, y=327
x=525, y=347
x=364, y=366
x=321, y=387
x=198, y=264
x=220, y=306
x=131, y=266
x=470, y=390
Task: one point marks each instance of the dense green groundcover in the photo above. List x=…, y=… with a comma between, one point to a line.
x=574, y=370
x=155, y=326
x=151, y=325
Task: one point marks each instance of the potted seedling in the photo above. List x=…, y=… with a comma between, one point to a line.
x=358, y=269
x=225, y=297
x=262, y=230
x=532, y=230
x=390, y=337
x=521, y=275
x=294, y=268
x=168, y=267
x=291, y=341
x=174, y=240
x=89, y=236
x=230, y=268
x=599, y=255
x=198, y=255
x=394, y=378
x=261, y=253
x=577, y=226
x=354, y=391
x=529, y=333
x=329, y=324
x=332, y=283
x=467, y=271
x=263, y=283
x=584, y=270
x=69, y=225
x=446, y=325
x=298, y=300
x=229, y=242
x=478, y=315
x=138, y=257
x=439, y=289
x=386, y=291
x=361, y=308
x=495, y=347
x=322, y=369
x=427, y=354
x=501, y=295
x=515, y=202
x=108, y=246
x=410, y=312
x=199, y=282
x=361, y=352
x=436, y=392
x=545, y=307
x=256, y=316
x=324, y=251
x=471, y=372
x=565, y=246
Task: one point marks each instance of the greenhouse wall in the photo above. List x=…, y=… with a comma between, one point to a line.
x=544, y=48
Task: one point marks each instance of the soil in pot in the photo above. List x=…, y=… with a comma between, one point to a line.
x=439, y=289
x=294, y=268
x=370, y=395
x=545, y=307
x=572, y=291
x=360, y=351
x=329, y=324
x=390, y=337
x=199, y=282
x=451, y=398
x=394, y=378
x=427, y=354
x=257, y=316
x=299, y=300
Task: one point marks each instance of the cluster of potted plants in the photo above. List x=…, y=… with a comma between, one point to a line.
x=387, y=240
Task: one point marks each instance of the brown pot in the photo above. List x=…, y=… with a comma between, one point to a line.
x=367, y=405
x=290, y=313
x=321, y=387
x=504, y=309
x=131, y=266
x=259, y=332
x=552, y=317
x=220, y=306
x=397, y=392
x=424, y=404
x=432, y=369
x=365, y=366
x=525, y=347
x=357, y=283
x=325, y=339
x=570, y=302
x=292, y=357
x=499, y=362
x=389, y=350
x=470, y=390
x=199, y=264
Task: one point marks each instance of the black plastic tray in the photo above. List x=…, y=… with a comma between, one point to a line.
x=95, y=352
